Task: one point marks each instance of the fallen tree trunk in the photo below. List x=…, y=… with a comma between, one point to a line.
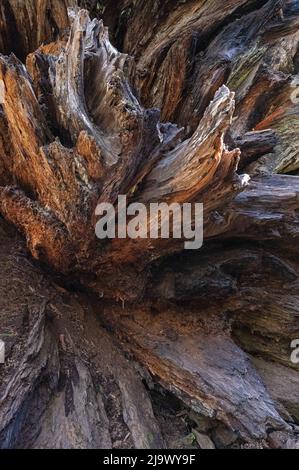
x=79, y=125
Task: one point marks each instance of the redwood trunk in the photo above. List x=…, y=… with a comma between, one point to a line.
x=140, y=343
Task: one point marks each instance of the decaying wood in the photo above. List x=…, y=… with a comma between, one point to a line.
x=252, y=49
x=255, y=144
x=82, y=123
x=121, y=135
x=208, y=371
x=58, y=387
x=26, y=25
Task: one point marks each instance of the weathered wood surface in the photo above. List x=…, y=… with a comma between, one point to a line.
x=65, y=383
x=197, y=46
x=25, y=25
x=80, y=391
x=79, y=125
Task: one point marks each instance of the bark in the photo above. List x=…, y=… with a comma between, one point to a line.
x=82, y=123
